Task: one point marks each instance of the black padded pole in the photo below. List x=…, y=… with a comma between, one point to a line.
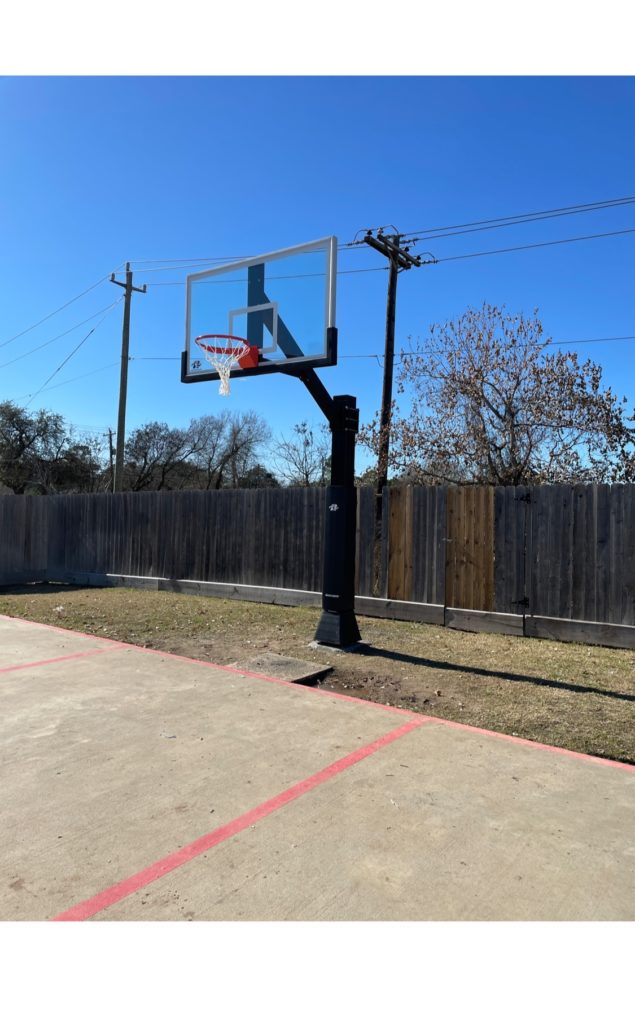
x=338, y=626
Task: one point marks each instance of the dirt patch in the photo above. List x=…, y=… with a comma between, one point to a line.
x=568, y=695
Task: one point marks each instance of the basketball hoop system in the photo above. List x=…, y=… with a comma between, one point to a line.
x=227, y=352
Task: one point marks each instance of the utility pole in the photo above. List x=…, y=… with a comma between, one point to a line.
x=123, y=379
x=399, y=258
x=111, y=452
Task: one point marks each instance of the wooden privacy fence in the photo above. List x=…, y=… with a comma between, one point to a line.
x=259, y=537
x=554, y=561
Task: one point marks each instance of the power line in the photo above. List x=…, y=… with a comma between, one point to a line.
x=559, y=211
x=190, y=259
x=491, y=227
x=535, y=245
x=379, y=355
x=187, y=265
x=277, y=277
x=572, y=341
x=442, y=259
x=62, y=335
x=179, y=265
x=55, y=311
x=592, y=341
x=71, y=380
x=201, y=261
x=68, y=357
x=506, y=221
x=509, y=220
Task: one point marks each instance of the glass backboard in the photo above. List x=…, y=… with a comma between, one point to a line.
x=281, y=303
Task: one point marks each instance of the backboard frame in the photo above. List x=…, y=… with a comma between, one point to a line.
x=293, y=365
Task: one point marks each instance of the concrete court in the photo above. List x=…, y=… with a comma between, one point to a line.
x=142, y=786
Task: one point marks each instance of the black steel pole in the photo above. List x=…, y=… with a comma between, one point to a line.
x=338, y=626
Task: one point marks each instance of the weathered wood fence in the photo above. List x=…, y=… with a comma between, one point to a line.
x=556, y=561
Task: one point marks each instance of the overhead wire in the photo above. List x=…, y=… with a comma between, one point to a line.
x=48, y=316
x=535, y=245
x=71, y=380
x=279, y=277
x=378, y=355
x=449, y=259
x=524, y=218
x=450, y=230
x=62, y=335
x=71, y=354
x=491, y=227
x=200, y=260
x=507, y=221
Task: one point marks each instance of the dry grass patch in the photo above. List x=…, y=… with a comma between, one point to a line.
x=569, y=695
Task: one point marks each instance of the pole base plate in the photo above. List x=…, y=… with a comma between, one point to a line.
x=337, y=629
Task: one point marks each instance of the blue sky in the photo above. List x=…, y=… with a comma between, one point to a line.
x=96, y=171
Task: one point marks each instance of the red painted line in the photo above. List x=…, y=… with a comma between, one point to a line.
x=88, y=908
x=211, y=664
x=532, y=743
x=339, y=696
x=52, y=661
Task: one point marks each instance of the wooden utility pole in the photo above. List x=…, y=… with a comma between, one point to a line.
x=386, y=391
x=111, y=452
x=399, y=258
x=123, y=379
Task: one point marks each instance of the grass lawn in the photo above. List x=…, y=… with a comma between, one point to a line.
x=568, y=695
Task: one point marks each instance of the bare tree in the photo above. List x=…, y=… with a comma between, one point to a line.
x=40, y=453
x=155, y=457
x=227, y=447
x=212, y=452
x=303, y=458
x=489, y=403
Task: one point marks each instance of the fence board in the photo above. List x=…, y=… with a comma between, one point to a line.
x=511, y=511
x=428, y=544
x=365, y=540
x=470, y=551
x=400, y=544
x=628, y=562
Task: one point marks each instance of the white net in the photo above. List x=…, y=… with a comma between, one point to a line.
x=224, y=361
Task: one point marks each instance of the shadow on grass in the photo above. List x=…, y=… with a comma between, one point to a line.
x=367, y=650
x=18, y=589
